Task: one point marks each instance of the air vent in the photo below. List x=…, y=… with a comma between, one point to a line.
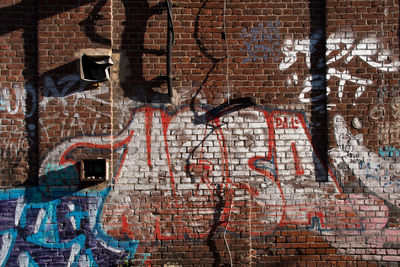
x=95, y=68
x=94, y=170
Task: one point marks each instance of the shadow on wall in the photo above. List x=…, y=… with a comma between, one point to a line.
x=133, y=83
x=25, y=15
x=90, y=22
x=11, y=20
x=135, y=86
x=9, y=164
x=63, y=81
x=319, y=113
x=58, y=181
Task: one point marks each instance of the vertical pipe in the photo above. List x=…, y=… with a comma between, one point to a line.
x=30, y=73
x=170, y=42
x=319, y=113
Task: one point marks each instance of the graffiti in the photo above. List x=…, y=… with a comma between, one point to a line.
x=378, y=111
x=285, y=123
x=184, y=161
x=70, y=91
x=341, y=47
x=18, y=96
x=67, y=91
x=261, y=43
x=379, y=174
x=248, y=172
x=67, y=86
x=389, y=151
x=60, y=219
x=388, y=131
x=214, y=159
x=267, y=163
x=252, y=156
x=372, y=172
x=13, y=102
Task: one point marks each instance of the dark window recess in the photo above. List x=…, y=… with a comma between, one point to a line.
x=95, y=68
x=94, y=170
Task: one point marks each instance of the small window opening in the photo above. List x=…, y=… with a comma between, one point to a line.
x=94, y=170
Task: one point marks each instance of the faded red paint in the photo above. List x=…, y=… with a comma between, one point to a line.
x=297, y=164
x=149, y=123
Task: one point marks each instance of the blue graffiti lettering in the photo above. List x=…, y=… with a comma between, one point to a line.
x=34, y=224
x=389, y=151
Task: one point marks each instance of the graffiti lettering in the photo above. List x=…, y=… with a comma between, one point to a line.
x=14, y=101
x=287, y=122
x=370, y=50
x=389, y=151
x=196, y=169
x=41, y=222
x=23, y=100
x=204, y=166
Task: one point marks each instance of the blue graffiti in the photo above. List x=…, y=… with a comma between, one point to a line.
x=41, y=230
x=77, y=215
x=26, y=260
x=260, y=43
x=2, y=104
x=389, y=151
x=372, y=172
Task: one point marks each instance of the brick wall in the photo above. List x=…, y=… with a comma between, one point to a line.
x=279, y=146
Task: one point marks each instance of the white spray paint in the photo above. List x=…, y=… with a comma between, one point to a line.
x=378, y=174
x=7, y=241
x=339, y=46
